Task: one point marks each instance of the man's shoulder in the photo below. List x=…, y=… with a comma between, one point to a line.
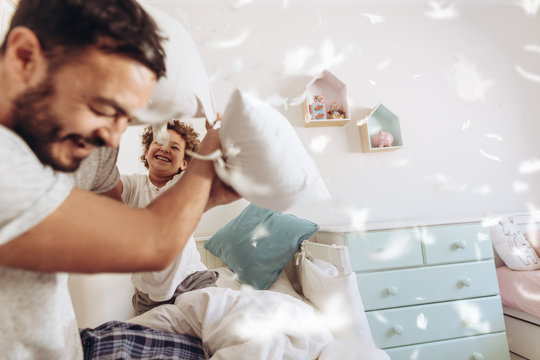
x=14, y=144
x=98, y=171
x=30, y=190
x=18, y=159
x=99, y=157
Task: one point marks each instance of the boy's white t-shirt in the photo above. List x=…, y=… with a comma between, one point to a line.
x=138, y=191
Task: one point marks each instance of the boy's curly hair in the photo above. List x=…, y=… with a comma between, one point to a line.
x=186, y=131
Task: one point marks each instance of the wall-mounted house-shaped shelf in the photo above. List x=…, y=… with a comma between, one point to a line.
x=326, y=101
x=380, y=119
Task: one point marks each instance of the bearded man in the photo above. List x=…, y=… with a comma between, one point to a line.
x=73, y=74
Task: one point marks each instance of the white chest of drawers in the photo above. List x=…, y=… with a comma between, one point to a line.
x=429, y=292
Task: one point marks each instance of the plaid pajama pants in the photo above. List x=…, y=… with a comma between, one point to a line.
x=120, y=340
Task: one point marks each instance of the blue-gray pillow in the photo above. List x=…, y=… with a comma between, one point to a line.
x=258, y=243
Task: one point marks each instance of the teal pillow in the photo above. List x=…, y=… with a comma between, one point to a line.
x=258, y=243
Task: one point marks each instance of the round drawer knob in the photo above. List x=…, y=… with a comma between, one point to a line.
x=478, y=356
x=392, y=290
x=397, y=329
x=460, y=244
x=466, y=282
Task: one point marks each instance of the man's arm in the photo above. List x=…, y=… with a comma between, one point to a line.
x=92, y=233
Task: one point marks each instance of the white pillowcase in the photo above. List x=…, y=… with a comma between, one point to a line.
x=513, y=247
x=185, y=91
x=265, y=161
x=337, y=297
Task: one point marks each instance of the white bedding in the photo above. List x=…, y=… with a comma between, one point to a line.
x=243, y=324
x=236, y=322
x=213, y=320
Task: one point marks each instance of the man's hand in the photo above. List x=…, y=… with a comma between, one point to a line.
x=210, y=143
x=220, y=194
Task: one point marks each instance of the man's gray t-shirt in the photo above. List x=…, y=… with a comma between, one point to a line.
x=98, y=172
x=36, y=315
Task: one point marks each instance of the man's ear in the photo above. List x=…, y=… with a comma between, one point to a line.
x=24, y=56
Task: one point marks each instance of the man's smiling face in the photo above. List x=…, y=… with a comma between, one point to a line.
x=86, y=102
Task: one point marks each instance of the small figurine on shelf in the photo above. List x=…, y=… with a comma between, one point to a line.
x=335, y=111
x=382, y=139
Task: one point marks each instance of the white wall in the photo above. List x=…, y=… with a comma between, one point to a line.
x=467, y=91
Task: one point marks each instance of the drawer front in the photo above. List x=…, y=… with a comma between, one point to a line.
x=432, y=322
x=454, y=243
x=388, y=289
x=375, y=250
x=523, y=337
x=488, y=347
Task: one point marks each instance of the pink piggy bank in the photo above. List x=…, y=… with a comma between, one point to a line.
x=382, y=139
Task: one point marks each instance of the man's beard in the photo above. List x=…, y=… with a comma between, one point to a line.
x=34, y=121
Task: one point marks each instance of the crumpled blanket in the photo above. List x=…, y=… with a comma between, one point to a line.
x=244, y=324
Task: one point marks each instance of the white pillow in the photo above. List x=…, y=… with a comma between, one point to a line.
x=337, y=298
x=513, y=247
x=265, y=161
x=185, y=91
x=228, y=279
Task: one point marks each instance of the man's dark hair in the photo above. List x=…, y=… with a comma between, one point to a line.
x=65, y=28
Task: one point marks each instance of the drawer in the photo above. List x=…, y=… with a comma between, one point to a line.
x=388, y=289
x=433, y=322
x=486, y=347
x=522, y=337
x=454, y=243
x=375, y=250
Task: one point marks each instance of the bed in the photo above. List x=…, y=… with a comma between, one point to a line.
x=94, y=305
x=520, y=295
